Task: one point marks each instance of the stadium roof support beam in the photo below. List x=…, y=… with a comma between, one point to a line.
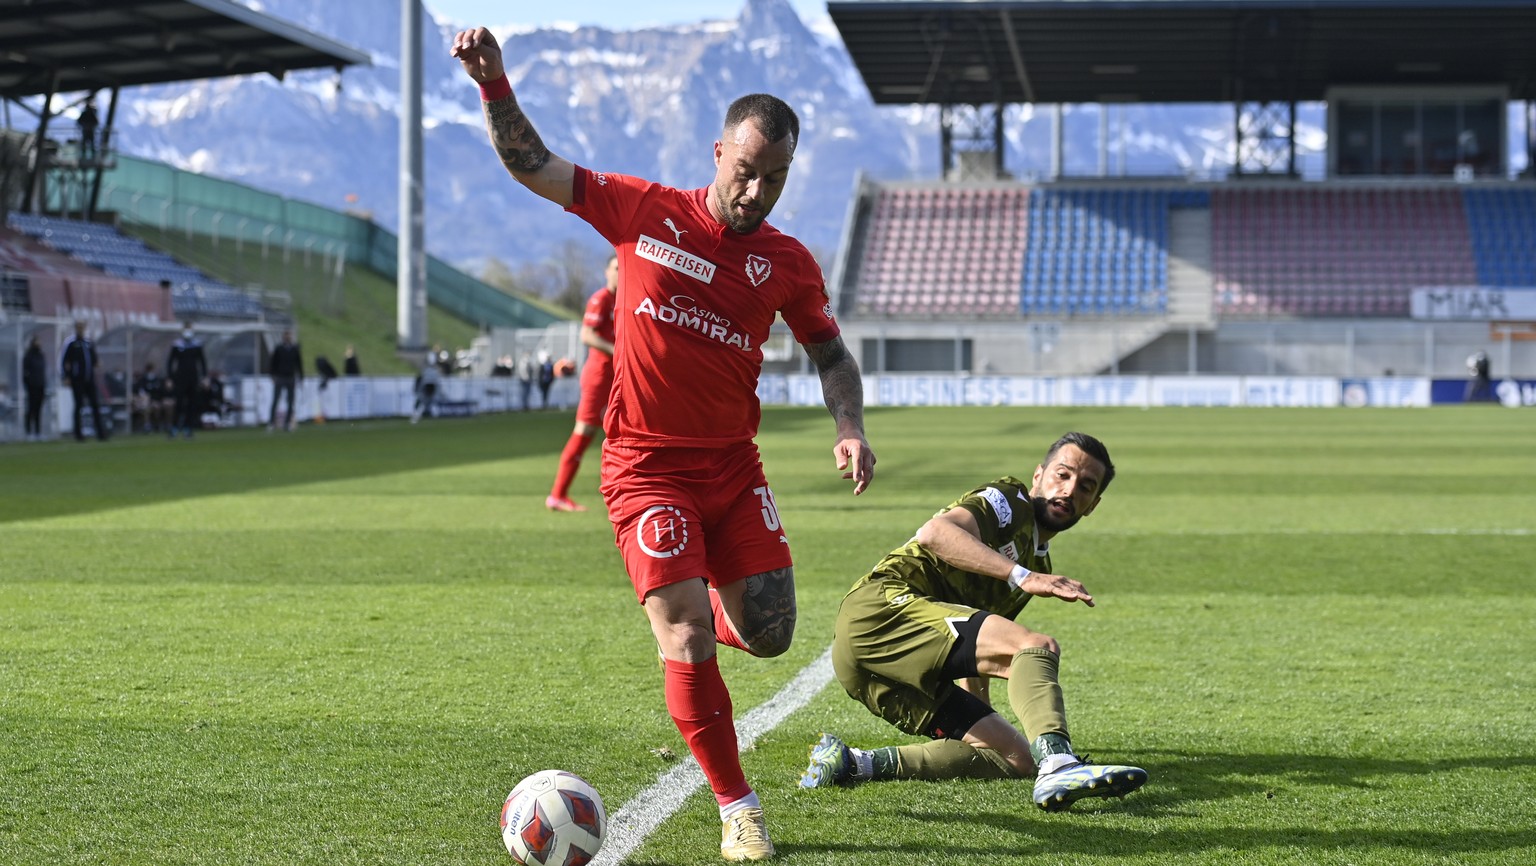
x=1019, y=68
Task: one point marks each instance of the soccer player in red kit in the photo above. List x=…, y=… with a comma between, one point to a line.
x=596, y=381
x=702, y=278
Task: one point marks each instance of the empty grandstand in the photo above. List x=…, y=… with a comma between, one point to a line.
x=979, y=272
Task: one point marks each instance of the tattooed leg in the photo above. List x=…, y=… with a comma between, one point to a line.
x=761, y=609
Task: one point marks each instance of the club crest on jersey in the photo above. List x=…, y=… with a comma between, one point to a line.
x=1000, y=506
x=669, y=256
x=662, y=531
x=758, y=269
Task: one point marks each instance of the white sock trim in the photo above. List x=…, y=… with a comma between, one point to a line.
x=748, y=802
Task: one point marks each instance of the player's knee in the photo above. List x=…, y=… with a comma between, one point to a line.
x=1036, y=640
x=775, y=641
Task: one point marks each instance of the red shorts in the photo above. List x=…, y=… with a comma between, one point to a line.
x=681, y=513
x=596, y=382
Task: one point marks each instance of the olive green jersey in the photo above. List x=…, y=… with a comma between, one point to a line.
x=1006, y=520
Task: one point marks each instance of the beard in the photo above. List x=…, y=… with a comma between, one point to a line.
x=734, y=220
x=1048, y=521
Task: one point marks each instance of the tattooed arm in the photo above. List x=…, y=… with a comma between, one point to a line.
x=512, y=133
x=843, y=390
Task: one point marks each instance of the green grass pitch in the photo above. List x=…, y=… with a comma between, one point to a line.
x=1316, y=629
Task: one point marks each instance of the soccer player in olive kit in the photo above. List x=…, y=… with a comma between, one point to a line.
x=702, y=277
x=918, y=638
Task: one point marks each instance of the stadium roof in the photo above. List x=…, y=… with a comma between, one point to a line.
x=1047, y=51
x=71, y=45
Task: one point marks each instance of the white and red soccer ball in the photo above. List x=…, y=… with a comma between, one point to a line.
x=553, y=818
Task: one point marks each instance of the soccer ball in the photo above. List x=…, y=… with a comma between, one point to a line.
x=553, y=818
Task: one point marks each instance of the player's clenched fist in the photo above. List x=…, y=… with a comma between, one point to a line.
x=481, y=55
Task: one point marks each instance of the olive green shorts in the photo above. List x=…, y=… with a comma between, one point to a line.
x=889, y=649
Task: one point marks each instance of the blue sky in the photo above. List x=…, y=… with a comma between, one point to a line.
x=613, y=14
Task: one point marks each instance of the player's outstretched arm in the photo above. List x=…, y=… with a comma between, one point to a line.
x=518, y=144
x=955, y=537
x=843, y=390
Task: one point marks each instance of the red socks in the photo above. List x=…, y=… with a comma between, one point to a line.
x=570, y=461
x=701, y=708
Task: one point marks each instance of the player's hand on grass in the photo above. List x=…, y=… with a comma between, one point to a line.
x=854, y=455
x=1056, y=586
x=478, y=50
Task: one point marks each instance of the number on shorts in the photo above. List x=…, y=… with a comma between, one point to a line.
x=770, y=510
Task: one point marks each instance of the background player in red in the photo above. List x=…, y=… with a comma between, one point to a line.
x=596, y=381
x=702, y=279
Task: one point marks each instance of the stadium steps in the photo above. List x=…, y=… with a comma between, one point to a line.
x=1190, y=284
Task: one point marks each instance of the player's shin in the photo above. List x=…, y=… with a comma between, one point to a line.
x=1035, y=696
x=937, y=760
x=700, y=706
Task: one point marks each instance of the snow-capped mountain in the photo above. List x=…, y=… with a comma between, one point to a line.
x=645, y=102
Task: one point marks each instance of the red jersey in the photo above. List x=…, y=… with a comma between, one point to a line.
x=695, y=302
x=599, y=317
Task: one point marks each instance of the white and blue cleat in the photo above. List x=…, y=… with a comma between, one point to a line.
x=1055, y=792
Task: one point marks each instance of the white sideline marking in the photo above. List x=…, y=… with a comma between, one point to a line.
x=635, y=820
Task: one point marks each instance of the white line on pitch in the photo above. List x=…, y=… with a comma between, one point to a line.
x=635, y=820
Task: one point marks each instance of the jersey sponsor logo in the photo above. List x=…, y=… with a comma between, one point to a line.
x=668, y=256
x=685, y=312
x=758, y=269
x=1000, y=506
x=602, y=179
x=902, y=599
x=826, y=310
x=1010, y=550
x=675, y=230
x=662, y=531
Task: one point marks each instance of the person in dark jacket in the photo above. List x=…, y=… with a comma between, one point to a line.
x=185, y=369
x=78, y=365
x=287, y=370
x=34, y=379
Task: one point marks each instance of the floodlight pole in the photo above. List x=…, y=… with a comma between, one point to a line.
x=411, y=264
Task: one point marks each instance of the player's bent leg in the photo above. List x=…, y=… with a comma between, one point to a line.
x=759, y=611
x=993, y=734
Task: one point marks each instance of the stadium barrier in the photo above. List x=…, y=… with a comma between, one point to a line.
x=351, y=399
x=1136, y=391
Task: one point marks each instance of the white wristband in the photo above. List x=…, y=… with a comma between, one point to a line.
x=1017, y=576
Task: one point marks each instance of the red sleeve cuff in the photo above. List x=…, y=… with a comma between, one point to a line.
x=491, y=91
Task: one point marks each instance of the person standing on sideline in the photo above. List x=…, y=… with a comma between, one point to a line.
x=546, y=378
x=1480, y=385
x=427, y=380
x=286, y=367
x=34, y=380
x=349, y=364
x=596, y=380
x=185, y=369
x=702, y=277
x=918, y=640
x=78, y=365
x=525, y=373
